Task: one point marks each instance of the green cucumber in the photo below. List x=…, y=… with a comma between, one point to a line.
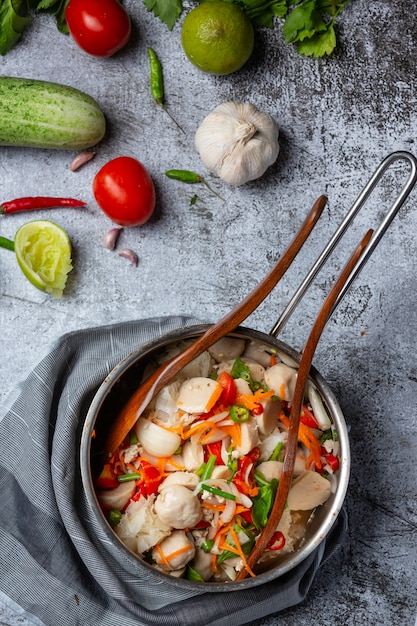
x=40, y=114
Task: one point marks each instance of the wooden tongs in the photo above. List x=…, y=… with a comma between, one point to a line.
x=147, y=390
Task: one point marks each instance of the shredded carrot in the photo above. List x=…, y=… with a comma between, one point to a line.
x=213, y=507
x=307, y=437
x=214, y=562
x=240, y=551
x=171, y=461
x=227, y=546
x=251, y=401
x=176, y=553
x=233, y=430
x=272, y=360
x=200, y=426
x=163, y=557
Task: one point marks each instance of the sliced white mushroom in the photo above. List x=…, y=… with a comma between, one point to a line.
x=179, y=545
x=166, y=399
x=258, y=352
x=242, y=387
x=203, y=564
x=116, y=498
x=268, y=419
x=249, y=437
x=192, y=454
x=270, y=469
x=156, y=440
x=309, y=490
x=200, y=366
x=281, y=378
x=227, y=348
x=185, y=479
x=178, y=506
x=198, y=395
x=221, y=471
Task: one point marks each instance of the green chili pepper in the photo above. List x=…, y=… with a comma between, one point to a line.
x=218, y=492
x=133, y=439
x=114, y=516
x=185, y=176
x=123, y=478
x=239, y=413
x=157, y=83
x=193, y=575
x=207, y=545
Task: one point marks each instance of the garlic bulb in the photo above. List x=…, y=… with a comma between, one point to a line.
x=237, y=142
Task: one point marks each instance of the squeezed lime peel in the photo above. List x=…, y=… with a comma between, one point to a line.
x=43, y=252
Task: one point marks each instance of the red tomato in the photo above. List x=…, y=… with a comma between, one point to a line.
x=99, y=27
x=229, y=387
x=125, y=191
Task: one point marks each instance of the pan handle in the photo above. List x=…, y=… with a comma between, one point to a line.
x=378, y=233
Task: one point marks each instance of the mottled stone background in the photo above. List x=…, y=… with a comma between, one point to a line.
x=338, y=118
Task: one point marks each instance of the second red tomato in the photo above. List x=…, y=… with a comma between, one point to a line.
x=99, y=27
x=124, y=190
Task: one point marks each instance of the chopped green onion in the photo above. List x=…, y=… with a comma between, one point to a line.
x=208, y=470
x=123, y=478
x=277, y=452
x=260, y=478
x=218, y=492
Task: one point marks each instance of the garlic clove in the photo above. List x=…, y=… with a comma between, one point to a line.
x=111, y=237
x=238, y=142
x=131, y=256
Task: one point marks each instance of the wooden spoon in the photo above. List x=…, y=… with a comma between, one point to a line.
x=296, y=406
x=144, y=394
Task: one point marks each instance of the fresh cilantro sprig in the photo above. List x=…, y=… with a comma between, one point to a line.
x=308, y=24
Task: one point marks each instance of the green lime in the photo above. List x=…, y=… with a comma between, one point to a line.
x=43, y=251
x=217, y=37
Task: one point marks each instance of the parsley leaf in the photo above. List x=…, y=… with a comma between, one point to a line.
x=168, y=11
x=12, y=24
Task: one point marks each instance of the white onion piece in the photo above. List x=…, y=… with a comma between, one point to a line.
x=317, y=405
x=156, y=440
x=228, y=511
x=117, y=498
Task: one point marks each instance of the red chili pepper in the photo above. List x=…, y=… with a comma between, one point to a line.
x=31, y=203
x=152, y=477
x=257, y=410
x=140, y=491
x=242, y=482
x=216, y=449
x=277, y=541
x=107, y=478
x=247, y=516
x=331, y=461
x=229, y=388
x=307, y=418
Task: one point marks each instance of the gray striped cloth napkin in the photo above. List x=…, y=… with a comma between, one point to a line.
x=54, y=562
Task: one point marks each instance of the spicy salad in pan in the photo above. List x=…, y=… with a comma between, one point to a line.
x=191, y=488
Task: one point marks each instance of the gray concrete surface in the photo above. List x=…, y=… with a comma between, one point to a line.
x=338, y=118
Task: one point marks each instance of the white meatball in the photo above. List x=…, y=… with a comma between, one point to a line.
x=178, y=507
x=177, y=540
